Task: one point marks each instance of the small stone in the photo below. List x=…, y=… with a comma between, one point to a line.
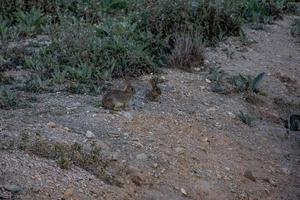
x=136, y=179
x=271, y=181
x=68, y=193
x=286, y=171
x=90, y=135
x=141, y=156
x=179, y=149
x=67, y=129
x=182, y=190
x=128, y=115
x=51, y=125
x=248, y=174
x=155, y=165
x=208, y=81
x=197, y=69
x=13, y=188
x=205, y=139
x=231, y=114
x=227, y=168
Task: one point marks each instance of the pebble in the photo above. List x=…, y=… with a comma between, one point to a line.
x=248, y=174
x=208, y=81
x=182, y=190
x=13, y=188
x=51, y=125
x=141, y=156
x=90, y=135
x=155, y=165
x=197, y=69
x=286, y=171
x=67, y=129
x=137, y=179
x=179, y=149
x=68, y=193
x=128, y=115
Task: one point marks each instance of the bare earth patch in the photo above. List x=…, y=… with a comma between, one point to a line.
x=191, y=145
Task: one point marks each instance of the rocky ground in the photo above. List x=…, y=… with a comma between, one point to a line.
x=191, y=145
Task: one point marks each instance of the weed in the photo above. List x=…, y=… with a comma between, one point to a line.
x=8, y=100
x=30, y=23
x=248, y=83
x=187, y=52
x=295, y=31
x=4, y=79
x=35, y=85
x=245, y=118
x=64, y=161
x=66, y=154
x=216, y=74
x=262, y=11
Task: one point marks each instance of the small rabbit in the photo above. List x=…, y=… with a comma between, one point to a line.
x=117, y=100
x=155, y=92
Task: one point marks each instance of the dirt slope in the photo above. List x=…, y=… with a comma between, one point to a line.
x=189, y=146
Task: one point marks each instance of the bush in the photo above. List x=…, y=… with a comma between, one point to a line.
x=187, y=52
x=86, y=52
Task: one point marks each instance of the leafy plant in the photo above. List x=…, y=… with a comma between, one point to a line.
x=295, y=31
x=8, y=99
x=216, y=74
x=35, y=84
x=245, y=118
x=30, y=23
x=248, y=83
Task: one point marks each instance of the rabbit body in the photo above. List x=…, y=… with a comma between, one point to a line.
x=117, y=99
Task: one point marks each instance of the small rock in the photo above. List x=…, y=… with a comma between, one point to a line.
x=128, y=115
x=179, y=149
x=102, y=145
x=68, y=193
x=155, y=165
x=114, y=156
x=51, y=125
x=286, y=171
x=248, y=174
x=67, y=129
x=197, y=69
x=207, y=80
x=182, y=190
x=205, y=139
x=137, y=179
x=90, y=135
x=13, y=188
x=141, y=156
x=271, y=181
x=231, y=114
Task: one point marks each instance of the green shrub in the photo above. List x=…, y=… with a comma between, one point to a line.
x=187, y=52
x=263, y=11
x=246, y=118
x=248, y=83
x=295, y=31
x=8, y=100
x=30, y=23
x=86, y=52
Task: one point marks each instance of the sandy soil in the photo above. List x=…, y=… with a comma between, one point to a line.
x=191, y=145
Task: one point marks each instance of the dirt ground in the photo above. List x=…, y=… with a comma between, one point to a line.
x=191, y=145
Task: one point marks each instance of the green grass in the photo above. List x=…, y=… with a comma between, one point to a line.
x=246, y=118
